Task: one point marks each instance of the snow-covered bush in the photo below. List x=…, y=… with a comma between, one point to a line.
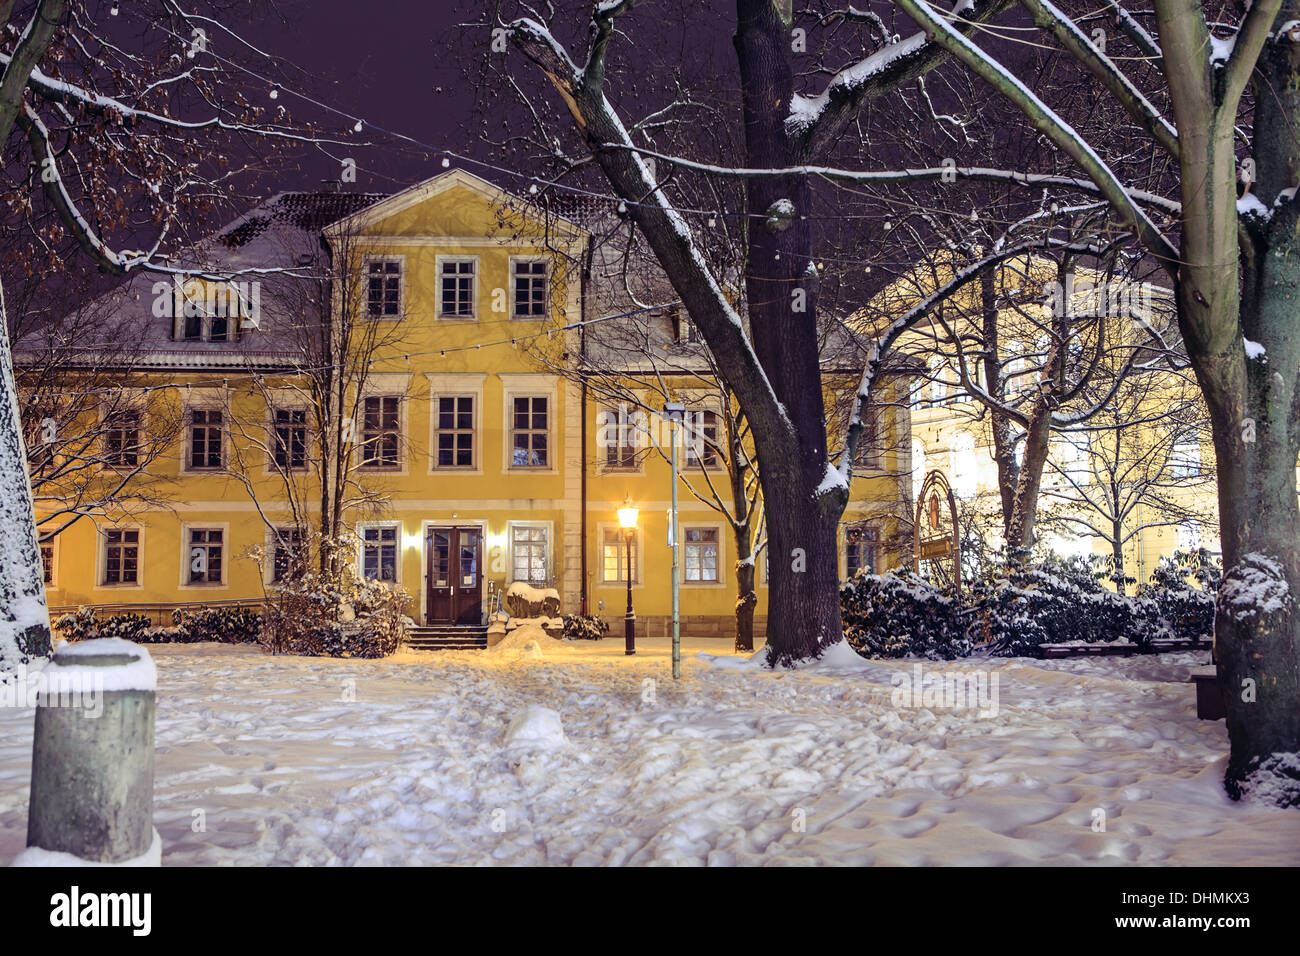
x=225, y=625
x=1183, y=610
x=899, y=614
x=80, y=625
x=83, y=625
x=1059, y=600
x=343, y=616
x=584, y=627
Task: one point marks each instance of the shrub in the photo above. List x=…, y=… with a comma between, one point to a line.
x=899, y=614
x=224, y=625
x=1059, y=600
x=80, y=625
x=584, y=627
x=1185, y=611
x=340, y=616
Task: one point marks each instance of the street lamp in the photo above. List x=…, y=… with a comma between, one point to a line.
x=627, y=516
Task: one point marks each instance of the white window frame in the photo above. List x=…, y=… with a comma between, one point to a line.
x=720, y=439
x=450, y=385
x=637, y=428
x=268, y=571
x=53, y=545
x=704, y=526
x=227, y=553
x=441, y=316
x=234, y=317
x=198, y=405
x=359, y=431
x=401, y=287
x=101, y=558
x=529, y=385
x=293, y=405
x=866, y=524
x=547, y=528
x=638, y=555
x=546, y=282
x=362, y=528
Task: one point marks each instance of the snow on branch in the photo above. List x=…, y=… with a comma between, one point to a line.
x=889, y=177
x=1047, y=15
x=1046, y=121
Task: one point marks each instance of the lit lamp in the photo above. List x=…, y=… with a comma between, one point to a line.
x=627, y=516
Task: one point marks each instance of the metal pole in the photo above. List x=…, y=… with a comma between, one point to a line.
x=629, y=622
x=677, y=622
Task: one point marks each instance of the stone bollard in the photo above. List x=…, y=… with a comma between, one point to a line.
x=92, y=756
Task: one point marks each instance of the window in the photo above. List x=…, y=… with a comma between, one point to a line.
x=205, y=553
x=122, y=556
x=918, y=466
x=616, y=433
x=290, y=438
x=379, y=553
x=1189, y=535
x=613, y=565
x=205, y=438
x=701, y=554
x=528, y=433
x=454, y=432
x=456, y=289
x=1185, y=462
x=122, y=439
x=381, y=431
x=938, y=383
x=286, y=554
x=529, y=554
x=702, y=439
x=1074, y=456
x=530, y=288
x=47, y=563
x=384, y=288
x=964, y=466
x=206, y=311
x=859, y=549
x=684, y=330
x=870, y=451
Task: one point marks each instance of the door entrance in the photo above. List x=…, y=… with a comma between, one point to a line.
x=453, y=576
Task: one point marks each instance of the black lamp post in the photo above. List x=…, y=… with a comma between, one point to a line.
x=627, y=516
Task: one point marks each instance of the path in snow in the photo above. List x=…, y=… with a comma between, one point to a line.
x=286, y=769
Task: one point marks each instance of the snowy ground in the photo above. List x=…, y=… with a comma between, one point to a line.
x=733, y=765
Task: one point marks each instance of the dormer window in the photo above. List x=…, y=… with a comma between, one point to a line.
x=208, y=312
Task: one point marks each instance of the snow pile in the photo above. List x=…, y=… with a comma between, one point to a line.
x=525, y=641
x=1255, y=587
x=536, y=727
x=1254, y=350
x=35, y=856
x=66, y=672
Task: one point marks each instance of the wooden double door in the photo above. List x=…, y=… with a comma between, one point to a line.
x=453, y=575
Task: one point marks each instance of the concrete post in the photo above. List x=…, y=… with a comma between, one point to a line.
x=92, y=753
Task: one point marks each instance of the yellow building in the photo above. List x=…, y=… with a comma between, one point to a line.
x=478, y=456
x=1129, y=472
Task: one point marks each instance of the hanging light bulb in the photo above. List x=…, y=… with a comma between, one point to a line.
x=275, y=94
x=445, y=162
x=113, y=9
x=357, y=128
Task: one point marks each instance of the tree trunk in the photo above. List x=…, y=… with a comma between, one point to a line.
x=781, y=291
x=1117, y=556
x=24, y=617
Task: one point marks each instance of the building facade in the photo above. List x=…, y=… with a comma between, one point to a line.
x=453, y=372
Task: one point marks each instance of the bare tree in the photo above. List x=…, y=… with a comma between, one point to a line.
x=112, y=141
x=1137, y=466
x=92, y=444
